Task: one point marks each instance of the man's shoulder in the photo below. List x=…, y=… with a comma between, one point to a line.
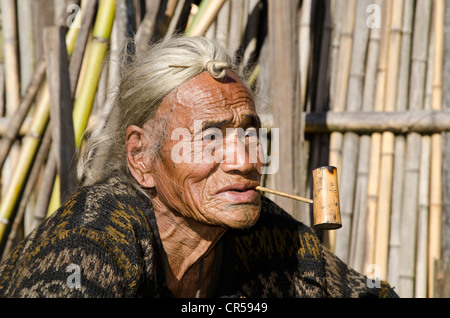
x=104, y=204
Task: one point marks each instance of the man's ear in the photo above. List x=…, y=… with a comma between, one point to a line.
x=136, y=143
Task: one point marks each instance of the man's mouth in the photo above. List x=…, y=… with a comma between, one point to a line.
x=239, y=192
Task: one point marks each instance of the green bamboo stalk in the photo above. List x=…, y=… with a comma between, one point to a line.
x=99, y=46
x=201, y=10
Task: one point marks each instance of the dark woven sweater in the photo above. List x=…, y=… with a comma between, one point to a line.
x=108, y=232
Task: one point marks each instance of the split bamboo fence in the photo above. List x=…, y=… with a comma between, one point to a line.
x=363, y=85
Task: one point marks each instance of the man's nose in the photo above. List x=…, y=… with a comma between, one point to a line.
x=237, y=156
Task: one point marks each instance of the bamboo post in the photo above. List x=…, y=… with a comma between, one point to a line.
x=340, y=94
x=249, y=42
x=86, y=14
x=284, y=95
x=195, y=15
x=223, y=24
x=12, y=76
x=121, y=31
x=99, y=45
x=146, y=28
x=338, y=11
x=421, y=282
x=236, y=26
x=318, y=145
x=419, y=82
x=375, y=148
x=399, y=147
x=61, y=107
x=304, y=47
x=387, y=147
x=25, y=41
x=445, y=239
x=335, y=156
x=436, y=148
x=11, y=55
x=350, y=150
x=359, y=236
x=421, y=278
x=207, y=13
x=180, y=18
x=350, y=139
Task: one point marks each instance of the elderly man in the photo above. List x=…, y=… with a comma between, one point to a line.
x=155, y=220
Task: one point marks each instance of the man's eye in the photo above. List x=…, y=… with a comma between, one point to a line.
x=212, y=134
x=251, y=133
x=210, y=137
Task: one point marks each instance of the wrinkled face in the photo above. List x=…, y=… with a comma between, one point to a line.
x=209, y=162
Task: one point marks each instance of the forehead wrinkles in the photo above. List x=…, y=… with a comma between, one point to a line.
x=203, y=93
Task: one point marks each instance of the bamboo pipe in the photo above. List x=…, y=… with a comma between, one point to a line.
x=326, y=209
x=286, y=195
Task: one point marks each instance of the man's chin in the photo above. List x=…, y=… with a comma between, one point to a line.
x=243, y=217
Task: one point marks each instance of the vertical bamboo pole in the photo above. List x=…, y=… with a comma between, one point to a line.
x=11, y=55
x=399, y=147
x=283, y=95
x=421, y=278
x=343, y=61
x=356, y=26
x=338, y=14
x=179, y=19
x=146, y=28
x=304, y=47
x=341, y=81
x=26, y=41
x=223, y=24
x=445, y=239
x=61, y=107
x=122, y=30
x=208, y=12
x=436, y=148
x=413, y=148
x=324, y=97
x=12, y=76
x=350, y=149
x=421, y=266
x=375, y=147
x=387, y=148
x=250, y=34
x=88, y=87
x=236, y=26
x=359, y=224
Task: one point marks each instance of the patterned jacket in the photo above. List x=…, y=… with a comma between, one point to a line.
x=104, y=242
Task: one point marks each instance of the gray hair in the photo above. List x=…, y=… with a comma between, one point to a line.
x=145, y=82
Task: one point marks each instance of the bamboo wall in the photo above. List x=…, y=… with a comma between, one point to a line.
x=333, y=57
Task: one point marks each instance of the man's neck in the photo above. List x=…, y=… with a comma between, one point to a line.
x=186, y=242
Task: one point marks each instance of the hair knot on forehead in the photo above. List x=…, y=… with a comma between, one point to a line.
x=217, y=69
